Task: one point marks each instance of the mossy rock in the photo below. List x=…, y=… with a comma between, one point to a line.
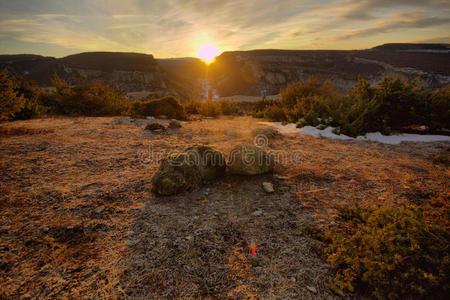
x=181, y=172
x=176, y=174
x=250, y=160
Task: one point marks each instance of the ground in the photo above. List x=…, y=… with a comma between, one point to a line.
x=78, y=218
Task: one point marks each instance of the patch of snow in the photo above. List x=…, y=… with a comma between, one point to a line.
x=372, y=136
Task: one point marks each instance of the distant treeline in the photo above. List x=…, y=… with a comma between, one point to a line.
x=23, y=99
x=391, y=105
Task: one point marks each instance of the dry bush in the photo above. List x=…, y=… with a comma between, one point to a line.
x=393, y=252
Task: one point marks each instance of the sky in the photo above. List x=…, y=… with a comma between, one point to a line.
x=178, y=28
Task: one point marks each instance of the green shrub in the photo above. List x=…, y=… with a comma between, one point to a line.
x=442, y=157
x=192, y=107
x=213, y=108
x=392, y=105
x=256, y=109
x=393, y=252
x=10, y=101
x=88, y=99
x=168, y=106
x=296, y=92
x=210, y=109
x=275, y=113
x=229, y=108
x=31, y=94
x=438, y=109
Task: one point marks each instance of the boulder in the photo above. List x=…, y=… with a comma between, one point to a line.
x=250, y=160
x=181, y=172
x=174, y=124
x=176, y=174
x=210, y=163
x=155, y=127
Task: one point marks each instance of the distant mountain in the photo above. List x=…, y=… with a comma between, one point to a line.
x=251, y=73
x=412, y=47
x=111, y=61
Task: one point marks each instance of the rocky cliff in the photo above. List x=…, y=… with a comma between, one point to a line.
x=261, y=72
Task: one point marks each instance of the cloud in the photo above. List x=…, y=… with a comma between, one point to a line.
x=401, y=21
x=367, y=9
x=178, y=27
x=441, y=39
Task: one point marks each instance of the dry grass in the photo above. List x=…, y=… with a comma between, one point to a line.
x=93, y=176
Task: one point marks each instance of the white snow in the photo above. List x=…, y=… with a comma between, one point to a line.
x=372, y=136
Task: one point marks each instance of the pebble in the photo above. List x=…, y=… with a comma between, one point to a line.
x=257, y=213
x=268, y=187
x=312, y=289
x=99, y=209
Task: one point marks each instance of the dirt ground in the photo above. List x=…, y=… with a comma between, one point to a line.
x=78, y=219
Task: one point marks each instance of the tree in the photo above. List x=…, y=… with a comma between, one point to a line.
x=10, y=102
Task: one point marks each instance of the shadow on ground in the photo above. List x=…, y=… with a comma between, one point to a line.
x=199, y=244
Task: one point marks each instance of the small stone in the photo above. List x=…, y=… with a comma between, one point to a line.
x=189, y=238
x=257, y=213
x=268, y=187
x=312, y=289
x=293, y=279
x=99, y=209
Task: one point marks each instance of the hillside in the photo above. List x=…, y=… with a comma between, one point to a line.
x=251, y=73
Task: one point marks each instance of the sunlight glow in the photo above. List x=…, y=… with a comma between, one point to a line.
x=208, y=53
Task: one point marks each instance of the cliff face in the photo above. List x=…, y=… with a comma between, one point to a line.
x=267, y=71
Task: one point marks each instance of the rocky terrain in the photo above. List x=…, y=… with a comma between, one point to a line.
x=79, y=219
x=250, y=73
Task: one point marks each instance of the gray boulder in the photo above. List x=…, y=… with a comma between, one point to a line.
x=250, y=160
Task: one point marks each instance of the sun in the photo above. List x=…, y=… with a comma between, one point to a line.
x=208, y=53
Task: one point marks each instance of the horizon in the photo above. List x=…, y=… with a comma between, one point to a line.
x=231, y=50
x=176, y=29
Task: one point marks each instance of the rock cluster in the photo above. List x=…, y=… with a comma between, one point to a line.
x=198, y=164
x=155, y=127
